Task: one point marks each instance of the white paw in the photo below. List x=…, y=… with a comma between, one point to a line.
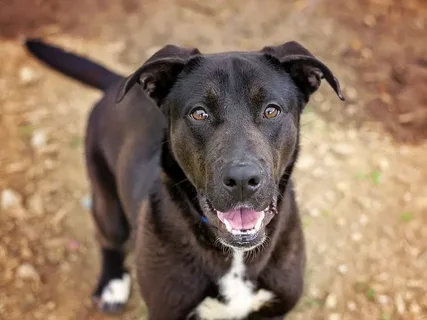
x=261, y=298
x=212, y=309
x=116, y=293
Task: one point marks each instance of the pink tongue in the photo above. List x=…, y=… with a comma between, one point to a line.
x=240, y=219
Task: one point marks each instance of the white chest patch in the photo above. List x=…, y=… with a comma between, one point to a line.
x=239, y=294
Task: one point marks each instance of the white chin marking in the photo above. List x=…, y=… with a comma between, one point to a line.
x=117, y=291
x=254, y=230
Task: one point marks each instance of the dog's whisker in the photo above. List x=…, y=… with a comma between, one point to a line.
x=165, y=141
x=278, y=194
x=181, y=182
x=307, y=139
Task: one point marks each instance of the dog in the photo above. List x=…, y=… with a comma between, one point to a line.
x=191, y=157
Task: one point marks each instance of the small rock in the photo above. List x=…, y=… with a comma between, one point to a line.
x=341, y=222
x=49, y=164
x=352, y=109
x=16, y=167
x=330, y=195
x=327, y=29
x=341, y=243
x=306, y=162
x=356, y=237
x=27, y=75
x=342, y=268
x=65, y=267
x=27, y=272
x=3, y=251
x=351, y=305
x=318, y=172
x=352, y=134
x=116, y=47
x=415, y=308
x=318, y=98
x=315, y=292
x=419, y=23
x=383, y=164
x=331, y=301
x=334, y=316
x=383, y=299
x=322, y=248
x=386, y=98
x=370, y=21
x=366, y=53
x=325, y=106
x=407, y=197
x=315, y=212
x=329, y=161
x=404, y=150
x=35, y=204
x=26, y=253
x=400, y=304
x=343, y=186
x=351, y=94
x=51, y=305
x=363, y=220
x=38, y=139
x=343, y=149
x=10, y=199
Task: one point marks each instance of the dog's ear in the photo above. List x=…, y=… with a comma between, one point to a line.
x=157, y=75
x=304, y=68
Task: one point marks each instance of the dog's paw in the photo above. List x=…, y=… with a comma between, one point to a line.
x=261, y=298
x=114, y=295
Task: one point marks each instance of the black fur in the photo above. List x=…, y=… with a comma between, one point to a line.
x=186, y=137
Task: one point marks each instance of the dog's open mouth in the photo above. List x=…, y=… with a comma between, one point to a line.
x=242, y=221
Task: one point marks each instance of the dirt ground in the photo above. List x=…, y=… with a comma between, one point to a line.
x=361, y=177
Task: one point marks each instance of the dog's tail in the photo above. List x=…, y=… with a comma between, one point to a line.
x=74, y=66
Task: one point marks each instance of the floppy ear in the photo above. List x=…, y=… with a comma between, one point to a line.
x=304, y=68
x=157, y=75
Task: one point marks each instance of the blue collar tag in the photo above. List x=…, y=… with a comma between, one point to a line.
x=204, y=219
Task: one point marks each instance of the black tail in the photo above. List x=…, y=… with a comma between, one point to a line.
x=74, y=66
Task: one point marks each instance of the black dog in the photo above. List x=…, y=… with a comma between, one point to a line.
x=194, y=153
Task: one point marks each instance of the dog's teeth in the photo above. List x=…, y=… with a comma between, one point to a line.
x=252, y=231
x=240, y=232
x=259, y=222
x=228, y=225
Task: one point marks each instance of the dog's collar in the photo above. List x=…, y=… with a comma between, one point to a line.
x=204, y=219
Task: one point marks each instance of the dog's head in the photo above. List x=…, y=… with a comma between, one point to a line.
x=234, y=127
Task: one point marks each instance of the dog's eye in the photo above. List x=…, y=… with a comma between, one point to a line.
x=272, y=111
x=199, y=114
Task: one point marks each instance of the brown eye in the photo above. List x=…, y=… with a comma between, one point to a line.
x=272, y=111
x=199, y=114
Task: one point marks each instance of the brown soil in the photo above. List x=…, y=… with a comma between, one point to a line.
x=361, y=177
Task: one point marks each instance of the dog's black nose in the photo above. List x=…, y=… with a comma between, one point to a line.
x=242, y=180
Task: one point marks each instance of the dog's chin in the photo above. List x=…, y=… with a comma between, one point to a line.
x=240, y=228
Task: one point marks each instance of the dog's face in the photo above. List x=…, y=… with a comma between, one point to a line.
x=233, y=129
